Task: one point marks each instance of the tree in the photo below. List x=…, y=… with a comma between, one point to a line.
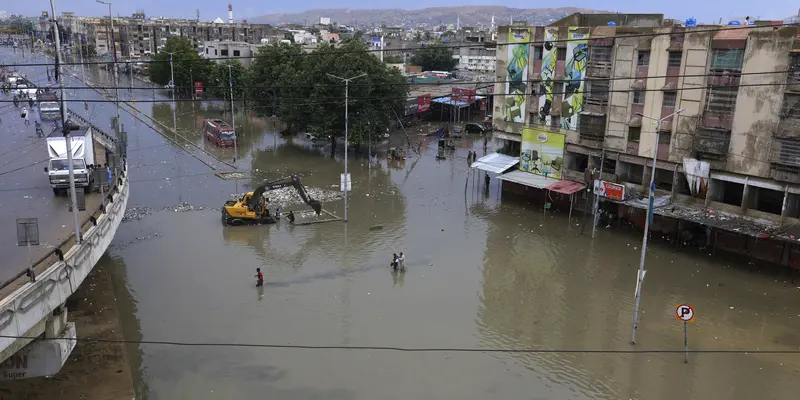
x=296, y=87
x=435, y=58
x=220, y=82
x=188, y=65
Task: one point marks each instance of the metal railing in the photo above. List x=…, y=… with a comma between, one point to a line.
x=57, y=252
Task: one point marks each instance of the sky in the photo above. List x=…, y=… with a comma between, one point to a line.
x=704, y=11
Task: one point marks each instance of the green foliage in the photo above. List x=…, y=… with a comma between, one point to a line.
x=435, y=58
x=393, y=59
x=223, y=74
x=297, y=88
x=186, y=62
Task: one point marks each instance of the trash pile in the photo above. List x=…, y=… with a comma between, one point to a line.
x=288, y=195
x=136, y=213
x=184, y=207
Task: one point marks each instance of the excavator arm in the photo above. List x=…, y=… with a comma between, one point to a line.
x=293, y=181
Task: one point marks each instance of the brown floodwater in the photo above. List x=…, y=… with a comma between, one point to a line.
x=484, y=271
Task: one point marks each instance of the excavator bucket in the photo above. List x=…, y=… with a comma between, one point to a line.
x=316, y=205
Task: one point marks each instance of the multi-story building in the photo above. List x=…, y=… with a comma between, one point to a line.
x=599, y=82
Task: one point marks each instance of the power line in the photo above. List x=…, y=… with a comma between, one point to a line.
x=446, y=46
x=403, y=349
x=453, y=83
x=589, y=92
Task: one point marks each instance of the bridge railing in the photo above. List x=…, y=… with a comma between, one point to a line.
x=57, y=252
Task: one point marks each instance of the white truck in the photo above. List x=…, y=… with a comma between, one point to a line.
x=83, y=157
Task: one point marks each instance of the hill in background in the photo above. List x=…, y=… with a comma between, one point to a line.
x=476, y=16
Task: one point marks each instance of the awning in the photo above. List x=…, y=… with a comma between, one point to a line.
x=496, y=163
x=512, y=137
x=670, y=86
x=528, y=179
x=638, y=84
x=450, y=102
x=566, y=187
x=635, y=121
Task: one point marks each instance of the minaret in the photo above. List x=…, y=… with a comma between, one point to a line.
x=230, y=13
x=458, y=22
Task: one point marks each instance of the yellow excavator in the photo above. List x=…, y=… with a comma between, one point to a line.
x=252, y=207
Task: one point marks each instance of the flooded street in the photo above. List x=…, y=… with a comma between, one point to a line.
x=483, y=272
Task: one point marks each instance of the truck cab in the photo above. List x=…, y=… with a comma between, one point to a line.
x=83, y=148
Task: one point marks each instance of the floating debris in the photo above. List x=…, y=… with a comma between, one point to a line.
x=233, y=175
x=120, y=246
x=136, y=213
x=184, y=207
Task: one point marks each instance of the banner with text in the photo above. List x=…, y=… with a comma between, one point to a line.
x=542, y=152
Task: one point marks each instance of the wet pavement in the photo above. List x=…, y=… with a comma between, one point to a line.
x=483, y=272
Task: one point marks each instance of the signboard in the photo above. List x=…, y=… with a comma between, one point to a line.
x=27, y=231
x=613, y=191
x=198, y=88
x=411, y=107
x=345, y=185
x=517, y=87
x=461, y=94
x=684, y=312
x=542, y=152
x=424, y=103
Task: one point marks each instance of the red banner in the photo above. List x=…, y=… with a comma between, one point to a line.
x=465, y=95
x=198, y=88
x=424, y=103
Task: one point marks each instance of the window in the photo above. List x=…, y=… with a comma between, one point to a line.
x=674, y=59
x=600, y=53
x=670, y=99
x=537, y=52
x=224, y=52
x=643, y=59
x=634, y=133
x=215, y=52
x=236, y=53
x=638, y=97
x=561, y=53
x=664, y=138
x=206, y=50
x=555, y=122
x=727, y=58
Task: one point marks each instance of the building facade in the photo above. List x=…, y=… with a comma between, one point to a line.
x=601, y=81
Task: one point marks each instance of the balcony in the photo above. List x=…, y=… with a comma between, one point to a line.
x=724, y=77
x=598, y=69
x=712, y=143
x=632, y=148
x=720, y=120
x=592, y=127
x=785, y=159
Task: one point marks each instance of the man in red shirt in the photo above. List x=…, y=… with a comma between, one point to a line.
x=260, y=277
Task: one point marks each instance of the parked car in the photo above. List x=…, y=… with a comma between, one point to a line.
x=474, y=128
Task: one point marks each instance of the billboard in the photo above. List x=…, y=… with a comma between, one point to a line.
x=198, y=88
x=516, y=81
x=549, y=56
x=542, y=152
x=574, y=72
x=613, y=191
x=411, y=107
x=424, y=103
x=461, y=94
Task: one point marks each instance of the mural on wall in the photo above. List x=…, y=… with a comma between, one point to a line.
x=542, y=152
x=574, y=72
x=549, y=53
x=516, y=85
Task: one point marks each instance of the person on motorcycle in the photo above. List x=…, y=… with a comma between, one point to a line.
x=39, y=131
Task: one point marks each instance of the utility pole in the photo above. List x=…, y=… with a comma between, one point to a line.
x=66, y=126
x=113, y=40
x=346, y=123
x=85, y=82
x=172, y=86
x=652, y=196
x=597, y=195
x=233, y=117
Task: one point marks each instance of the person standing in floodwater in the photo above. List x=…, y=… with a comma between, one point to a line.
x=259, y=277
x=402, y=261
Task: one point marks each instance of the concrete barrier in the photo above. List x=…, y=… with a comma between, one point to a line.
x=36, y=308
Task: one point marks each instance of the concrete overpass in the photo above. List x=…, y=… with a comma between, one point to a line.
x=33, y=307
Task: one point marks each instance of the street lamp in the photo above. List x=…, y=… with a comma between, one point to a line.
x=113, y=42
x=172, y=86
x=346, y=123
x=640, y=275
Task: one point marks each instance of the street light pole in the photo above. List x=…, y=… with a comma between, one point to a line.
x=172, y=86
x=66, y=128
x=233, y=118
x=652, y=196
x=346, y=123
x=113, y=41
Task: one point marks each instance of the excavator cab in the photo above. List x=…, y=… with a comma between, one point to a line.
x=252, y=207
